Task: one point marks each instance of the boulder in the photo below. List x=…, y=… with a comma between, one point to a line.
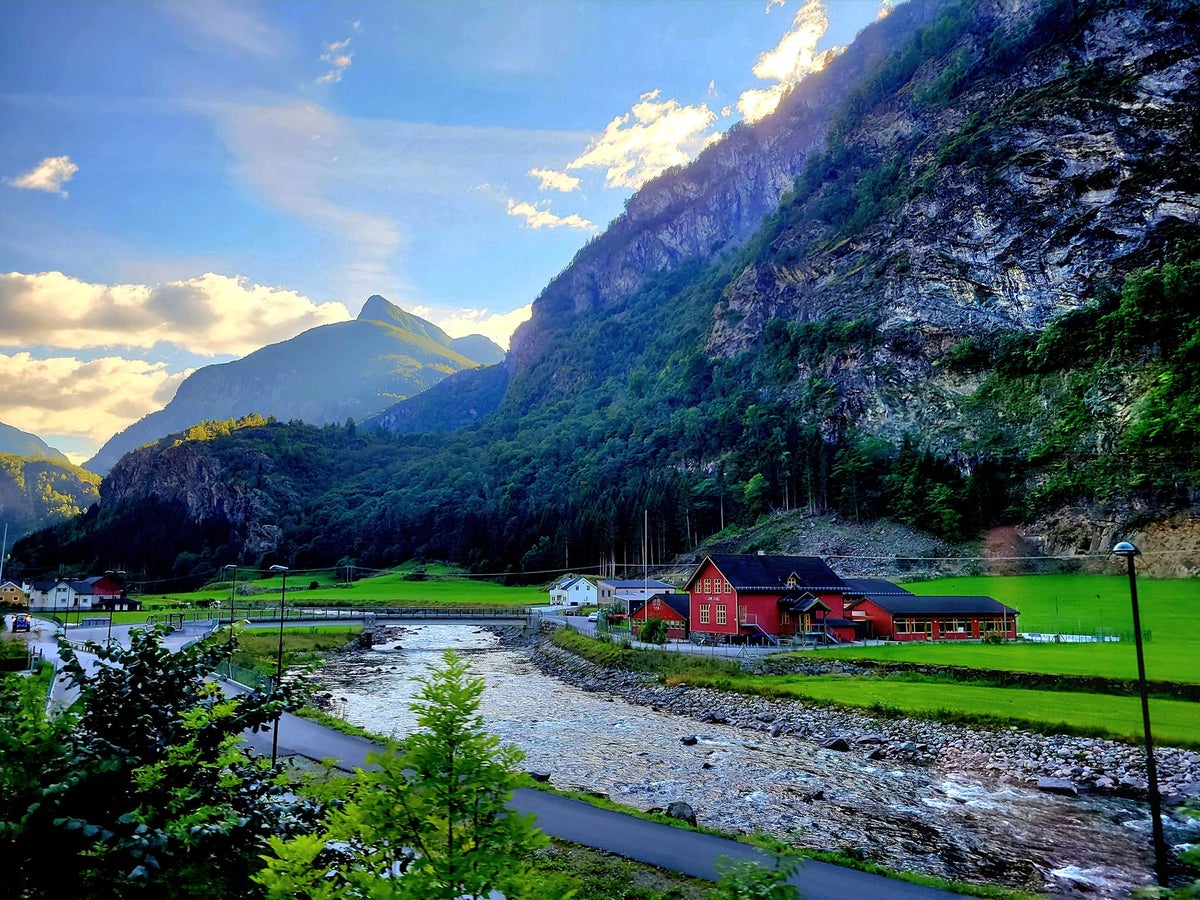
x=682, y=811
x=543, y=777
x=688, y=740
x=1058, y=786
x=837, y=743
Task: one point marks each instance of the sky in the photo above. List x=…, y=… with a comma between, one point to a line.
x=183, y=182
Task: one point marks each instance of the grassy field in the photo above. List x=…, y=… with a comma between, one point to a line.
x=1175, y=722
x=1071, y=604
x=439, y=586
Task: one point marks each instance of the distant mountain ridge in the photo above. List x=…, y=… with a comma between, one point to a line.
x=22, y=443
x=326, y=374
x=37, y=491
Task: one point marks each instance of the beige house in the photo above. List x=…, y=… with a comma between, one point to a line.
x=11, y=594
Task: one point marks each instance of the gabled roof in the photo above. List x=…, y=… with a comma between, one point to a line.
x=678, y=602
x=870, y=587
x=801, y=602
x=566, y=584
x=915, y=605
x=751, y=572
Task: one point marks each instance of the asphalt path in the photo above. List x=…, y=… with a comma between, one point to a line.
x=663, y=846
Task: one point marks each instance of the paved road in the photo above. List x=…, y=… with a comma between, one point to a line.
x=659, y=845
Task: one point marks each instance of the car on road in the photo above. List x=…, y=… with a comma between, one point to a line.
x=22, y=622
x=593, y=617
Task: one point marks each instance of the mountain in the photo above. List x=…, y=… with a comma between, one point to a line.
x=950, y=283
x=22, y=443
x=37, y=491
x=326, y=374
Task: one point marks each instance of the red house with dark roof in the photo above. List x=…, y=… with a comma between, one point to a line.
x=672, y=608
x=888, y=611
x=733, y=597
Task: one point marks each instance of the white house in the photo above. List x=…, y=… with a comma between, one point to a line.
x=573, y=591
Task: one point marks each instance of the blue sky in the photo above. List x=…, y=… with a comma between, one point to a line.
x=185, y=181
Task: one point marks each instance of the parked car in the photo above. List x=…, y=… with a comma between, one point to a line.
x=593, y=617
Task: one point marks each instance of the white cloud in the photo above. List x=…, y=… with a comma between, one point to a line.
x=651, y=138
x=551, y=180
x=49, y=175
x=536, y=216
x=795, y=57
x=338, y=60
x=885, y=8
x=84, y=399
x=234, y=25
x=207, y=315
x=498, y=326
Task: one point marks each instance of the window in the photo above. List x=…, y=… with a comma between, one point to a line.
x=721, y=613
x=785, y=618
x=728, y=588
x=955, y=626
x=708, y=585
x=914, y=626
x=704, y=613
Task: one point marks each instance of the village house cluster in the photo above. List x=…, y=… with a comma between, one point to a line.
x=732, y=598
x=66, y=595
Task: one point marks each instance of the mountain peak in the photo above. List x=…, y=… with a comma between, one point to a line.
x=380, y=309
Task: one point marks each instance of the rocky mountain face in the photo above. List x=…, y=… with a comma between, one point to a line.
x=22, y=443
x=38, y=491
x=989, y=190
x=327, y=374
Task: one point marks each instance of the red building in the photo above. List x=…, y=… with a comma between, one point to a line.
x=672, y=608
x=889, y=612
x=741, y=597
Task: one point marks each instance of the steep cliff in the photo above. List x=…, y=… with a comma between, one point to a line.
x=37, y=491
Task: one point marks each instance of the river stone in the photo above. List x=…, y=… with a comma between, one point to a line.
x=682, y=811
x=1058, y=786
x=543, y=777
x=838, y=743
x=688, y=740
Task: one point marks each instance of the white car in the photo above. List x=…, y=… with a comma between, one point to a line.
x=593, y=617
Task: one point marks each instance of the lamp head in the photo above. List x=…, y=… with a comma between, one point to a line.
x=1126, y=549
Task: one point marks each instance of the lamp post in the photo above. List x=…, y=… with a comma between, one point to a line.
x=279, y=661
x=1129, y=551
x=118, y=573
x=232, y=588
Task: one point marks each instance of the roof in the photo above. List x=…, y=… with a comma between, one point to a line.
x=912, y=604
x=637, y=584
x=677, y=602
x=870, y=587
x=568, y=583
x=751, y=572
x=801, y=602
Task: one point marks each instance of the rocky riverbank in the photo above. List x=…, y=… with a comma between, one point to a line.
x=1055, y=763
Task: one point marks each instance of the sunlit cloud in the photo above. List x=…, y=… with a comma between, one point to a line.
x=794, y=58
x=339, y=61
x=498, y=326
x=651, y=138
x=83, y=399
x=49, y=175
x=550, y=180
x=207, y=315
x=885, y=8
x=537, y=216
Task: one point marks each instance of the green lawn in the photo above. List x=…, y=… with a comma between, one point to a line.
x=393, y=589
x=1072, y=604
x=1174, y=722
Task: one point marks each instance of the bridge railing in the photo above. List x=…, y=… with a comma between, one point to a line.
x=408, y=613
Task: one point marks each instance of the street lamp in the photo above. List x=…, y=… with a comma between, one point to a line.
x=1129, y=551
x=232, y=588
x=279, y=661
x=118, y=573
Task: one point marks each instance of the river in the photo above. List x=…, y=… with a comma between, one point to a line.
x=905, y=816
